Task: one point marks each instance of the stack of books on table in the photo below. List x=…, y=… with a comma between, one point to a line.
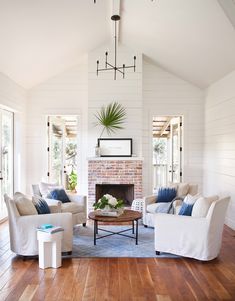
x=48, y=228
x=109, y=213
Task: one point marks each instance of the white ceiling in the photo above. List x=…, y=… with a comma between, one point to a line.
x=193, y=39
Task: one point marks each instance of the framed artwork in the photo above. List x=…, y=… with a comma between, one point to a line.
x=115, y=147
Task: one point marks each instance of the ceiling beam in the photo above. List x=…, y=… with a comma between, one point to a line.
x=228, y=7
x=165, y=126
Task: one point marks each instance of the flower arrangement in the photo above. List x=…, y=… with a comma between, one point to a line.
x=108, y=202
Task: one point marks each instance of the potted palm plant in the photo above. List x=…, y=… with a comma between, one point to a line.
x=110, y=118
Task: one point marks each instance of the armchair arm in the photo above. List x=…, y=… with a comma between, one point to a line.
x=182, y=235
x=177, y=205
x=80, y=199
x=149, y=200
x=179, y=223
x=34, y=221
x=54, y=205
x=26, y=234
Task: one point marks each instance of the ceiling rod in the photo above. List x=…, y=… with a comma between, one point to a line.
x=114, y=67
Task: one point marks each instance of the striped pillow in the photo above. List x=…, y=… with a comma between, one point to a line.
x=41, y=205
x=166, y=195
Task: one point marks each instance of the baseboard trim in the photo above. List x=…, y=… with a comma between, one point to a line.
x=230, y=223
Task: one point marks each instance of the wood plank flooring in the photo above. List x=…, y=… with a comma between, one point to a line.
x=119, y=279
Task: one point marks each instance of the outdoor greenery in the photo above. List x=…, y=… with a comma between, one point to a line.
x=160, y=150
x=73, y=180
x=111, y=118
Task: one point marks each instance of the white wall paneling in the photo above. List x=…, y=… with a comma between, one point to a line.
x=65, y=94
x=219, y=155
x=13, y=98
x=165, y=94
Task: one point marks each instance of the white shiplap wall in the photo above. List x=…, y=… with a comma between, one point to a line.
x=148, y=92
x=13, y=98
x=103, y=89
x=165, y=94
x=219, y=159
x=60, y=95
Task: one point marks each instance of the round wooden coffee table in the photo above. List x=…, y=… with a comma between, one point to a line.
x=127, y=216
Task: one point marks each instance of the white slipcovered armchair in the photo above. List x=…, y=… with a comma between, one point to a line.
x=195, y=237
x=150, y=202
x=77, y=206
x=23, y=234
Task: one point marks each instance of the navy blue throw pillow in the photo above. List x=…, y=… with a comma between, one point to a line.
x=166, y=195
x=60, y=195
x=41, y=206
x=186, y=209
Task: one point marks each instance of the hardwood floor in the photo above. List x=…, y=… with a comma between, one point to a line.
x=126, y=279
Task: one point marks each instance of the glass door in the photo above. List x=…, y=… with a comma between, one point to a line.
x=6, y=161
x=62, y=150
x=176, y=150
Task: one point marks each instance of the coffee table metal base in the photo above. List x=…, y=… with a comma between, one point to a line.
x=134, y=230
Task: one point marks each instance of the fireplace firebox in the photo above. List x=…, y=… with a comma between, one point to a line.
x=124, y=192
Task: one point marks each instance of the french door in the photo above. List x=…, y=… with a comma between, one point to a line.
x=175, y=160
x=6, y=160
x=62, y=150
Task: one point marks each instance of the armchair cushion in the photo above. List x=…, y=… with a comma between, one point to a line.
x=202, y=205
x=24, y=205
x=72, y=207
x=45, y=188
x=191, y=199
x=159, y=207
x=182, y=189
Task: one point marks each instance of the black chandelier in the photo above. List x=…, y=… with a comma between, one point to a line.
x=114, y=67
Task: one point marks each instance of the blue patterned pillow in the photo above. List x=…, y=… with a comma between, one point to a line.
x=60, y=195
x=41, y=206
x=166, y=195
x=186, y=209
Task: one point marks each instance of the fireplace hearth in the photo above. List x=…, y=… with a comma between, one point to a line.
x=124, y=192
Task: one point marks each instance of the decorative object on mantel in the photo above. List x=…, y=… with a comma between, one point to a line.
x=108, y=66
x=115, y=147
x=110, y=118
x=109, y=206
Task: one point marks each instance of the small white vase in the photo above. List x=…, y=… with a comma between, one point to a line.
x=97, y=151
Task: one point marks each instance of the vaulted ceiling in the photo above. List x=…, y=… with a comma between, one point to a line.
x=194, y=39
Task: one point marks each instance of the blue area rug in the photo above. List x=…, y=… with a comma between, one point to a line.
x=114, y=246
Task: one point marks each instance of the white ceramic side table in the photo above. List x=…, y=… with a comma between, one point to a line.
x=49, y=249
x=137, y=205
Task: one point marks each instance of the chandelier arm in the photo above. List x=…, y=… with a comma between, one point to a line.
x=126, y=67
x=103, y=69
x=118, y=69
x=110, y=65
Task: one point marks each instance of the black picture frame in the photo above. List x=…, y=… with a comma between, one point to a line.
x=115, y=147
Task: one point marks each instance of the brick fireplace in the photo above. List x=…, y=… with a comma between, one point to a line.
x=103, y=172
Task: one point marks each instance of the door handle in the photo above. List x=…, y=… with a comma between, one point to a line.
x=1, y=178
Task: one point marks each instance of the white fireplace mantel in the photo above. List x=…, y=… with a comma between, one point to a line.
x=115, y=159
